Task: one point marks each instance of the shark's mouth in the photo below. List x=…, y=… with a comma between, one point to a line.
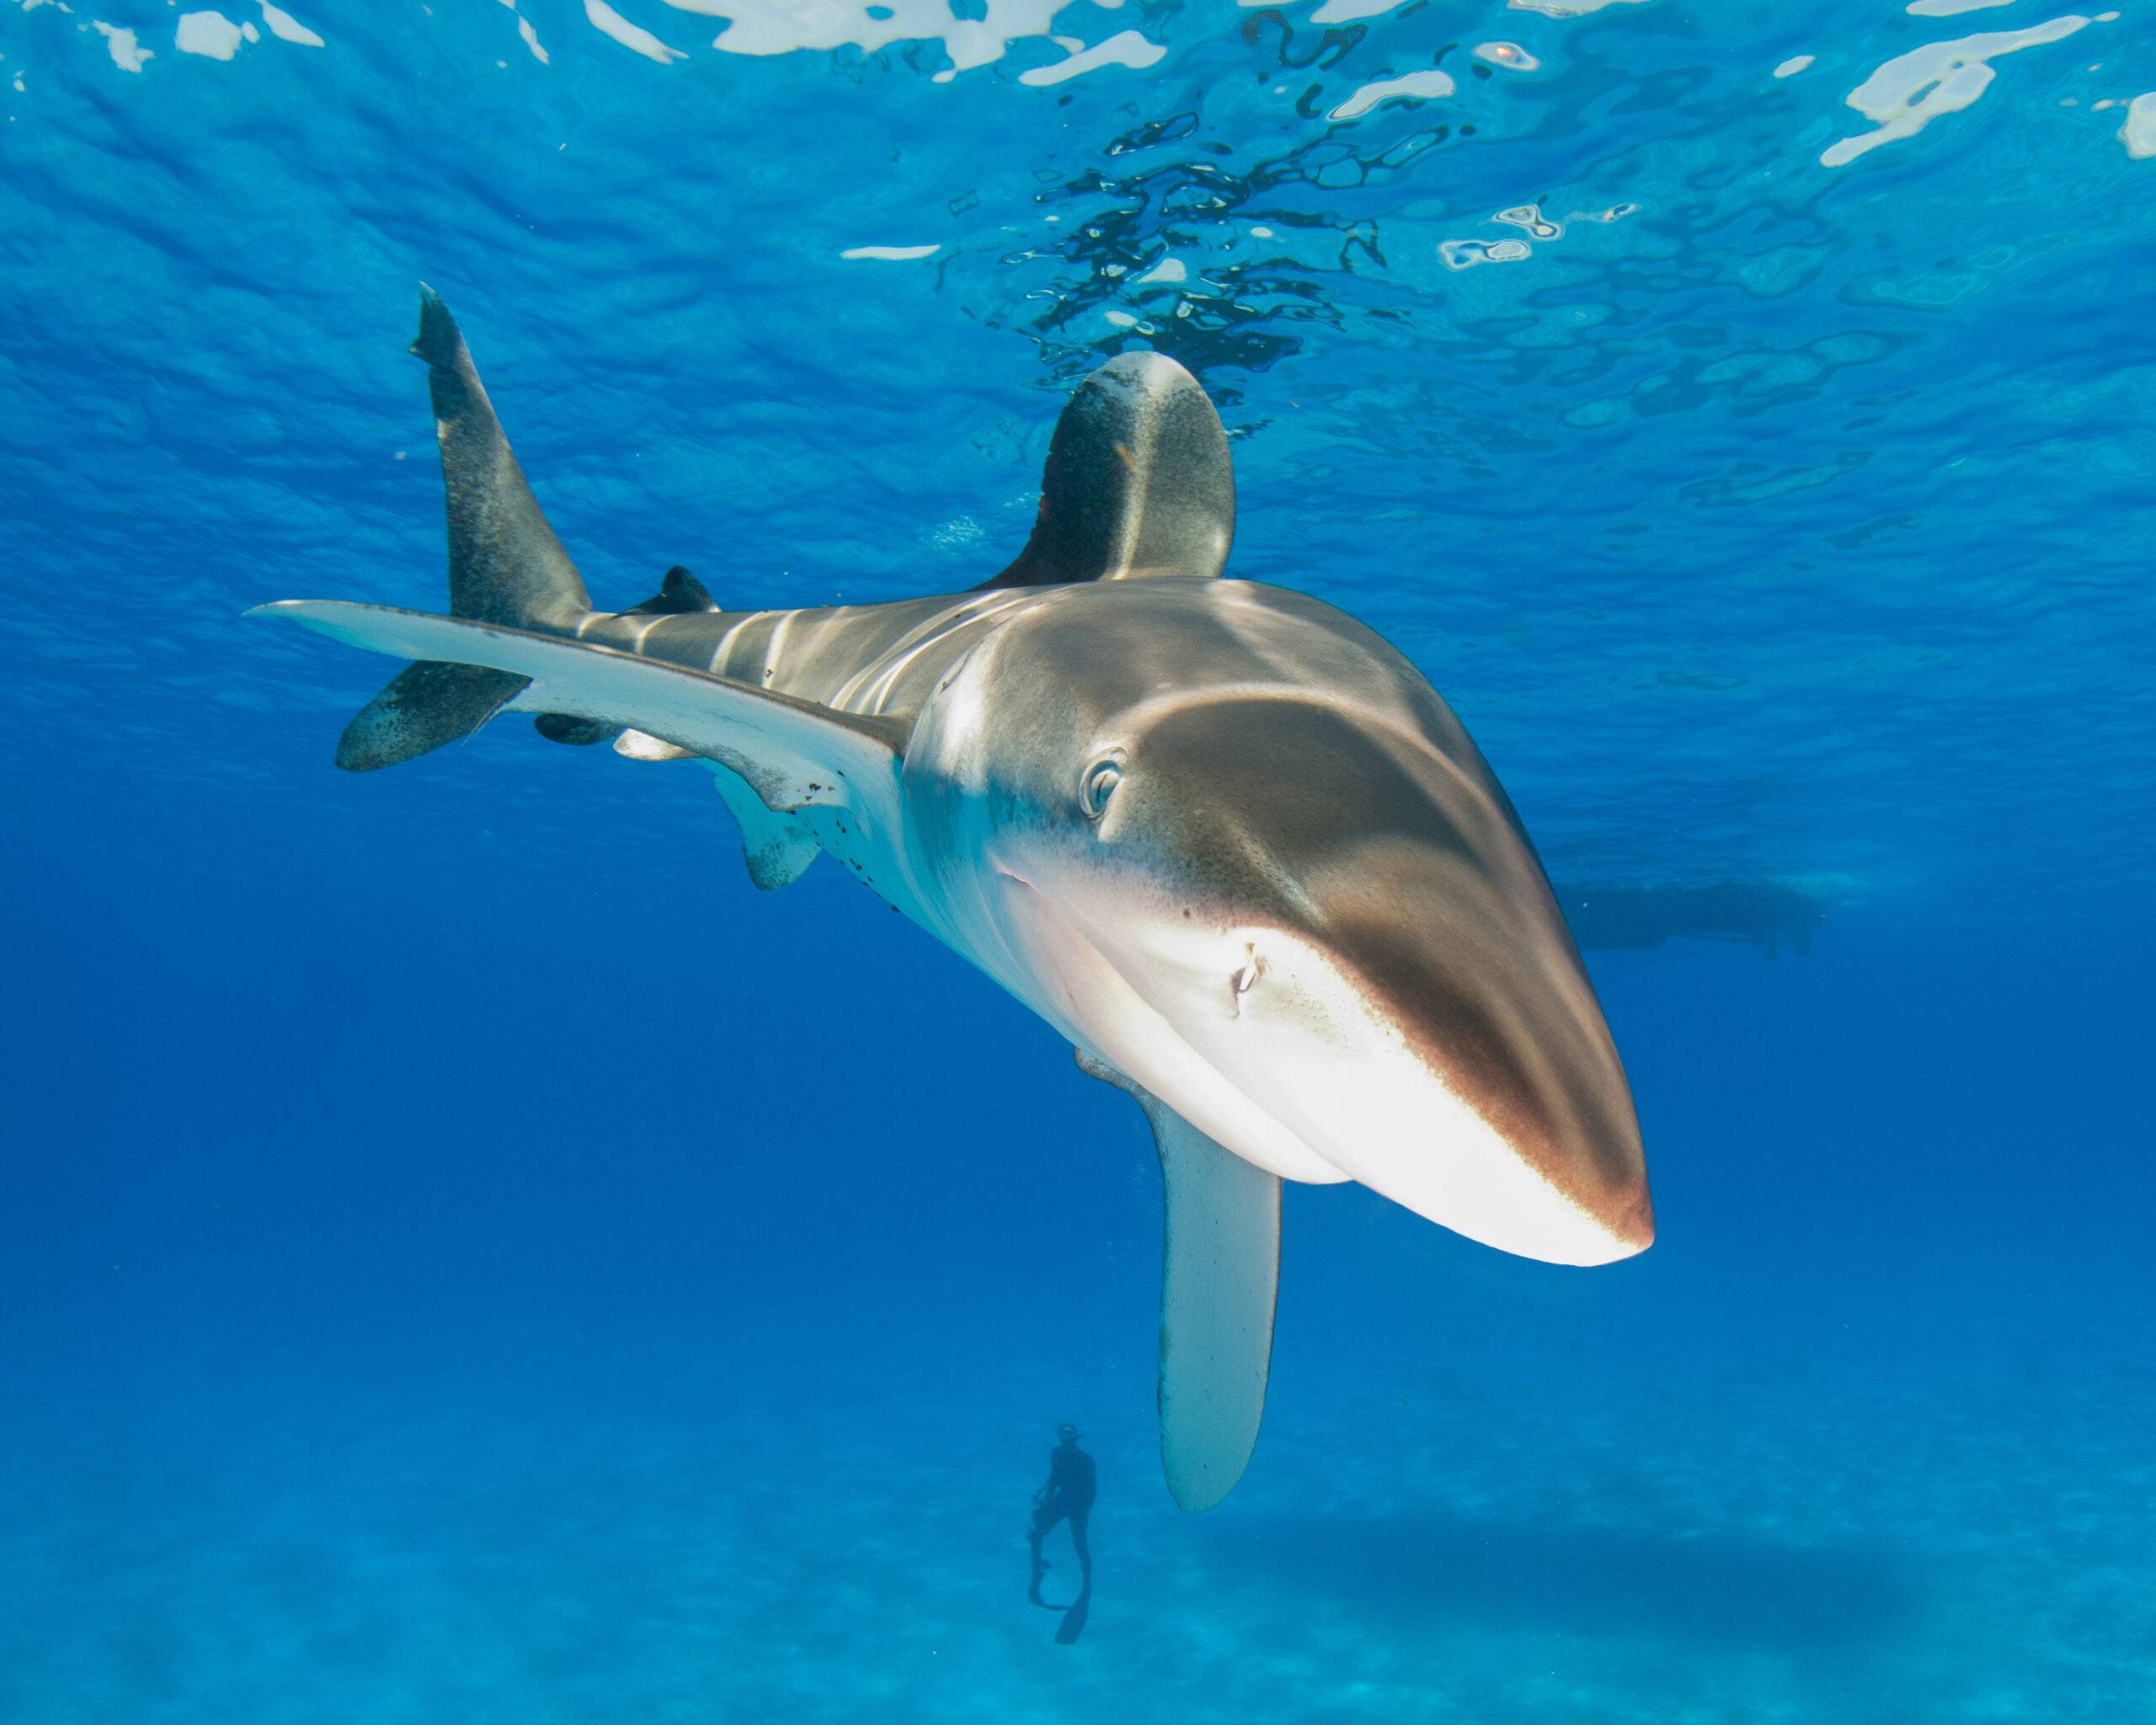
x=1292, y=1063
x=1075, y=983
x=1333, y=1062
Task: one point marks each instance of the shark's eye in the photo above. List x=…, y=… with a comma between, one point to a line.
x=1098, y=785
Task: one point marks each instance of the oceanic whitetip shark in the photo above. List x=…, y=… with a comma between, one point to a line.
x=1221, y=837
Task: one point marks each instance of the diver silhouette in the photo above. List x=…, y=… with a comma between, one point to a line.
x=1068, y=1496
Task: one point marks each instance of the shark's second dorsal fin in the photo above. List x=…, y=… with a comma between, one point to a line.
x=1138, y=482
x=1219, y=1281
x=679, y=594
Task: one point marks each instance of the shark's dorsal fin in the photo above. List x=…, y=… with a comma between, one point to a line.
x=1219, y=1282
x=1138, y=482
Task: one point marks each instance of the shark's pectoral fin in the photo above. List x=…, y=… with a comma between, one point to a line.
x=1138, y=482
x=776, y=847
x=1220, y=1278
x=793, y=753
x=1219, y=1281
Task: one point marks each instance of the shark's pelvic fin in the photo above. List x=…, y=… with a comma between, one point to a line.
x=506, y=566
x=776, y=847
x=1220, y=1283
x=1138, y=482
x=641, y=745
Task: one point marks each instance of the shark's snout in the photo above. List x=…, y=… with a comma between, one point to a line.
x=1435, y=1094
x=1491, y=1002
x=1375, y=962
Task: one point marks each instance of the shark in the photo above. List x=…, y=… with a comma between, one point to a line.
x=1226, y=840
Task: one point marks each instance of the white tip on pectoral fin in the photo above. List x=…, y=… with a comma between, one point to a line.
x=1220, y=1277
x=1221, y=1280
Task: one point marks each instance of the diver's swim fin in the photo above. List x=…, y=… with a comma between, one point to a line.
x=1074, y=1619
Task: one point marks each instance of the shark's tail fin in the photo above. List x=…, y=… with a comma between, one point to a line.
x=506, y=566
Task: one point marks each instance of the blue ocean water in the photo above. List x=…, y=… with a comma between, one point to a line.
x=464, y=1253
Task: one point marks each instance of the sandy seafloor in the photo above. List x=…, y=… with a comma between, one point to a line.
x=1840, y=1448
x=1771, y=1543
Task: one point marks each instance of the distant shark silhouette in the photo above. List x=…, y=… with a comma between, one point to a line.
x=1221, y=837
x=1763, y=912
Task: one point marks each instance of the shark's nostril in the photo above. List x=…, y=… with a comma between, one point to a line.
x=1244, y=980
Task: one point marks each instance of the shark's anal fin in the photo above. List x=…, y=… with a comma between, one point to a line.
x=578, y=732
x=776, y=847
x=1219, y=1282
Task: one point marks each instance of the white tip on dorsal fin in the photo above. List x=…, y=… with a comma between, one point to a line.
x=1138, y=482
x=641, y=745
x=1220, y=1283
